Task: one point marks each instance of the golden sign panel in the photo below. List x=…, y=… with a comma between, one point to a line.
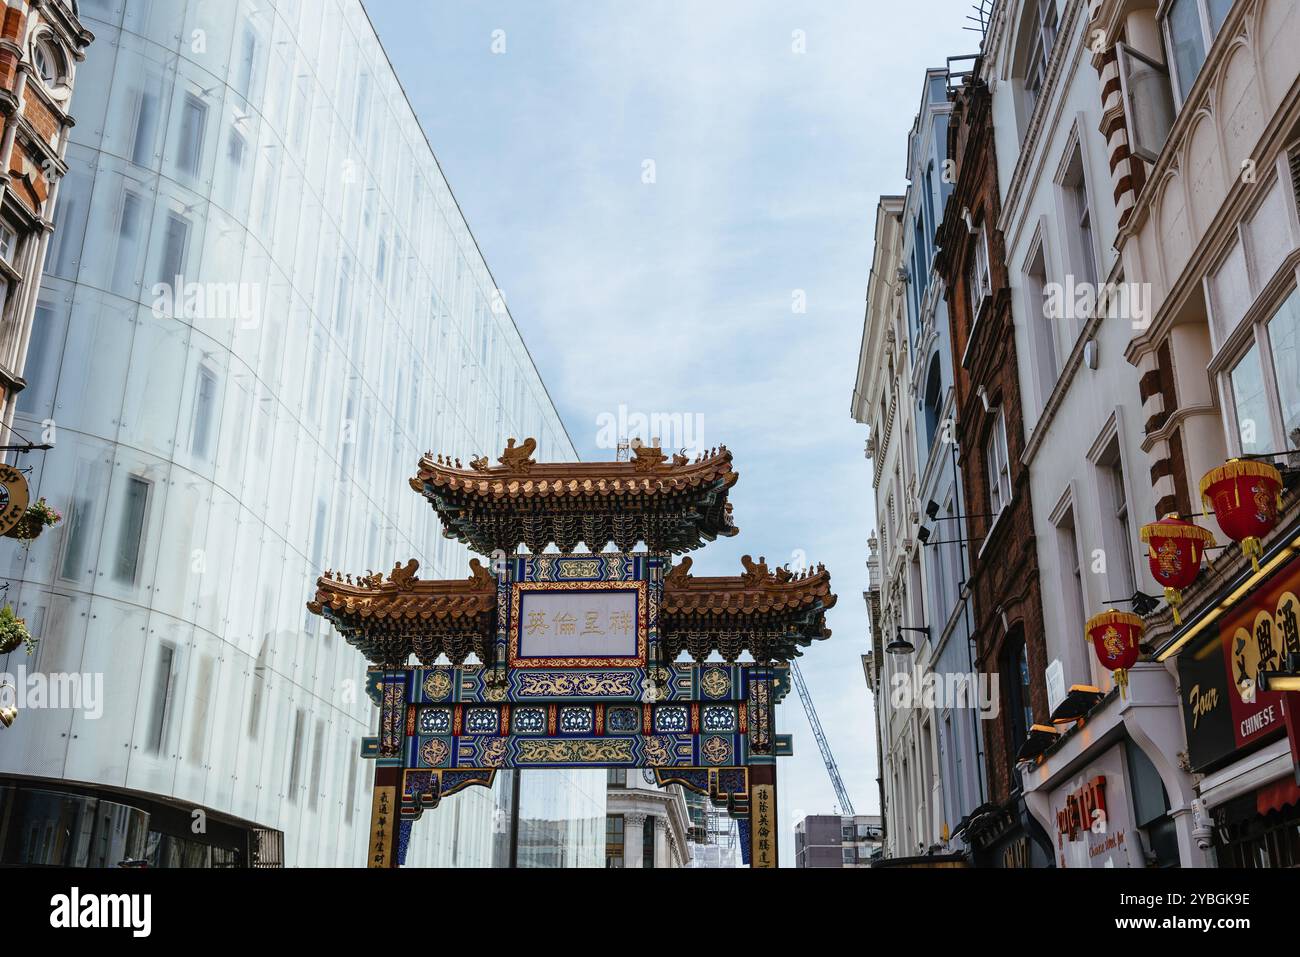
x=383, y=828
x=575, y=752
x=762, y=851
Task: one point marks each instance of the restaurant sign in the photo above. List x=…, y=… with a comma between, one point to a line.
x=1094, y=820
x=1223, y=709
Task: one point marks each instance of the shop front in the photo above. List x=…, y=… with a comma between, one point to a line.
x=1109, y=790
x=1005, y=836
x=1242, y=737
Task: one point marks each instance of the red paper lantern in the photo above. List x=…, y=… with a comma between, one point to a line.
x=1174, y=549
x=1245, y=497
x=1115, y=636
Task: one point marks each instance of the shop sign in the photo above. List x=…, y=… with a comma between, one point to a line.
x=1094, y=820
x=13, y=497
x=1223, y=709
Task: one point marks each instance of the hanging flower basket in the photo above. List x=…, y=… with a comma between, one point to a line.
x=13, y=632
x=36, y=519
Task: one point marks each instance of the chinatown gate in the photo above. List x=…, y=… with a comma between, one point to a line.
x=578, y=651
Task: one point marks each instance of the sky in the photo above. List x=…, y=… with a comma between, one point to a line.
x=677, y=200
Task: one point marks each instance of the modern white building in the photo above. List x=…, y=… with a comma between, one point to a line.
x=261, y=305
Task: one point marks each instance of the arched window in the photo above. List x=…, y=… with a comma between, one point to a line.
x=933, y=400
x=1019, y=704
x=48, y=62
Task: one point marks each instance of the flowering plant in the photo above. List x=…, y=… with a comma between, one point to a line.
x=13, y=631
x=43, y=512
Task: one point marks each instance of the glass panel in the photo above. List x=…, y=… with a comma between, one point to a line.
x=1150, y=102
x=1188, y=43
x=1218, y=10
x=1284, y=341
x=1251, y=402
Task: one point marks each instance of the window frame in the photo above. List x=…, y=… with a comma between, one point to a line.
x=1256, y=335
x=996, y=442
x=1208, y=35
x=1137, y=146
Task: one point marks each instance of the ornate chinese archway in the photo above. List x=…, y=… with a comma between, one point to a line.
x=578, y=651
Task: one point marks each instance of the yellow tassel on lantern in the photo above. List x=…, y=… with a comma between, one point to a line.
x=1175, y=598
x=1252, y=548
x=1121, y=679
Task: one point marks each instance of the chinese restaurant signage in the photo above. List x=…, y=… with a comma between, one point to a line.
x=1094, y=823
x=1223, y=709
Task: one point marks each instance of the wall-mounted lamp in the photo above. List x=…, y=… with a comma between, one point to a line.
x=900, y=645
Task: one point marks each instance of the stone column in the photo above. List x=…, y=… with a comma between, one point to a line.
x=662, y=858
x=633, y=840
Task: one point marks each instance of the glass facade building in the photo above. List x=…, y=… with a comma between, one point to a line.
x=261, y=305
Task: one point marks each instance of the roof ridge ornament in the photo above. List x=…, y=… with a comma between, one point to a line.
x=519, y=458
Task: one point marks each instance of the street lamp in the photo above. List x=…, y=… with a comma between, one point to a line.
x=900, y=645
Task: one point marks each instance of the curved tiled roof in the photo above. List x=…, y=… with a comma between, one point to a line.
x=671, y=503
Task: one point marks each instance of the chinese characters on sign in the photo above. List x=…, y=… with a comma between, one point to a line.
x=763, y=848
x=382, y=826
x=578, y=623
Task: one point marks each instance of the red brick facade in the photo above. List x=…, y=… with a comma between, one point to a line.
x=1004, y=569
x=34, y=123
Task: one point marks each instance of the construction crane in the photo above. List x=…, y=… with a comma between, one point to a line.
x=846, y=806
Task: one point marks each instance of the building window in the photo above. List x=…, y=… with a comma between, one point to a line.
x=616, y=777
x=1071, y=572
x=1039, y=36
x=1120, y=571
x=74, y=542
x=295, y=755
x=848, y=855
x=1148, y=102
x=648, y=842
x=997, y=464
x=176, y=236
x=47, y=62
x=1043, y=321
x=145, y=123
x=977, y=278
x=194, y=115
x=126, y=564
x=614, y=840
x=1190, y=27
x=933, y=401
x=1264, y=383
x=205, y=400
x=1020, y=713
x=162, y=693
x=8, y=244
x=1078, y=214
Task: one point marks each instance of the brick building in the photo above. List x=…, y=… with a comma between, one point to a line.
x=41, y=42
x=989, y=430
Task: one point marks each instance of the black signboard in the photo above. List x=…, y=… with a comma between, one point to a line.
x=1207, y=713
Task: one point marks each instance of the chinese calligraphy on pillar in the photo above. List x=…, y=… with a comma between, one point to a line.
x=763, y=832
